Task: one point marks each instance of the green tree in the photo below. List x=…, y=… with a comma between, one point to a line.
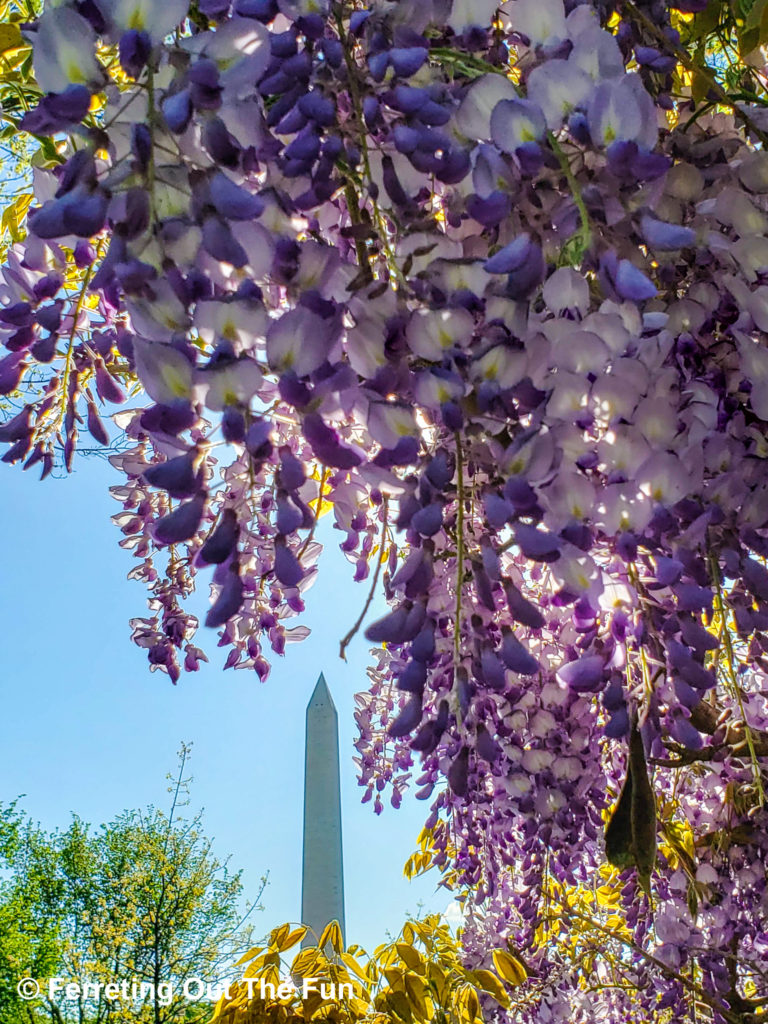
x=140, y=900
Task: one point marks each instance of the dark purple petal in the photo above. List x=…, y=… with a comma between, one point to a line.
x=405, y=453
x=407, y=720
x=585, y=675
x=392, y=184
x=221, y=541
x=413, y=677
x=755, y=577
x=182, y=523
x=697, y=676
x=516, y=657
x=233, y=424
x=519, y=492
x=492, y=670
x=697, y=637
x=232, y=200
x=326, y=446
x=44, y=349
x=58, y=111
x=48, y=221
x=134, y=49
x=407, y=99
x=213, y=8
x=617, y=724
x=258, y=439
x=491, y=210
x=511, y=256
x=18, y=315
x=686, y=694
x=228, y=603
x=423, y=646
x=538, y=545
x=168, y=419
x=84, y=215
x=137, y=213
x=141, y=145
x=221, y=145
x=428, y=521
x=177, y=111
x=458, y=773
x=498, y=512
x=47, y=286
x=288, y=517
x=668, y=570
x=388, y=629
x=522, y=281
x=11, y=369
x=665, y=237
x=78, y=171
x=107, y=387
x=318, y=108
x=177, y=476
x=287, y=566
x=406, y=61
x=427, y=738
x=17, y=427
x=219, y=241
x=49, y=317
x=483, y=586
x=685, y=733
x=691, y=597
x=486, y=746
x=96, y=428
x=632, y=283
x=522, y=610
x=630, y=162
x=291, y=474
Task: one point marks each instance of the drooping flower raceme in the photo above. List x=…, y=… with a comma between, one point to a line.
x=464, y=279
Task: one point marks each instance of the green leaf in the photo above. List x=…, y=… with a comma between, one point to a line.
x=10, y=37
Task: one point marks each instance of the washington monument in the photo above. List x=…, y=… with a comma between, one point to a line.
x=322, y=879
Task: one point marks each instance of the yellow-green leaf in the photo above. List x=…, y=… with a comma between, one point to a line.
x=410, y=957
x=352, y=964
x=509, y=967
x=10, y=37
x=278, y=935
x=332, y=935
x=489, y=983
x=292, y=938
x=249, y=955
x=13, y=215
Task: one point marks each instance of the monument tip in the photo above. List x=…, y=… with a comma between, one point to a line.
x=321, y=695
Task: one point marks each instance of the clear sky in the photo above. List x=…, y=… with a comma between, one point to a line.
x=86, y=728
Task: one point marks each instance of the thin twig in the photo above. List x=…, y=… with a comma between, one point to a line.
x=695, y=69
x=353, y=631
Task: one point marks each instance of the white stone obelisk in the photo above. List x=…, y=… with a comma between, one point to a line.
x=322, y=879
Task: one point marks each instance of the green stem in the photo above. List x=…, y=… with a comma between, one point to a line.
x=722, y=611
x=354, y=215
x=459, y=567
x=586, y=226
x=357, y=106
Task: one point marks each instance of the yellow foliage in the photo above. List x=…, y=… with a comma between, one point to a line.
x=509, y=967
x=417, y=979
x=10, y=37
x=13, y=215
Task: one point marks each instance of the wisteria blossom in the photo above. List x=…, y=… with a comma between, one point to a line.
x=463, y=276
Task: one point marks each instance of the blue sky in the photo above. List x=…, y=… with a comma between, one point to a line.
x=88, y=729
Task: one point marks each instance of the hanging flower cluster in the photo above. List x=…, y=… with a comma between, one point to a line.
x=468, y=277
